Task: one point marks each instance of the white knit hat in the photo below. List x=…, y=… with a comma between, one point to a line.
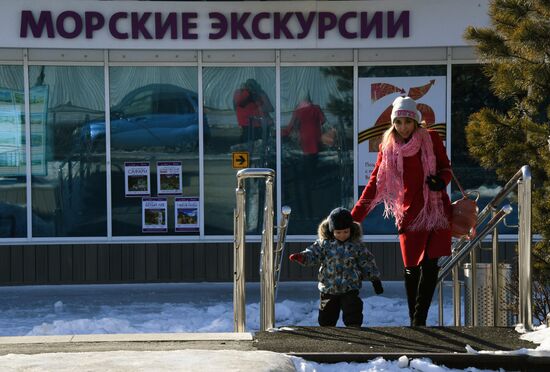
x=404, y=107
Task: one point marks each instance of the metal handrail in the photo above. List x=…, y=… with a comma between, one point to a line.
x=492, y=224
x=281, y=239
x=267, y=312
x=270, y=260
x=522, y=179
x=493, y=205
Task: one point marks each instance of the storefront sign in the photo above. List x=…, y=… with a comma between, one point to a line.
x=211, y=25
x=70, y=24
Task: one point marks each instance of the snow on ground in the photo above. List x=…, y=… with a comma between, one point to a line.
x=204, y=307
x=181, y=307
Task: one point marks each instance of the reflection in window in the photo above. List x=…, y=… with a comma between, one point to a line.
x=471, y=92
x=375, y=223
x=68, y=175
x=154, y=118
x=317, y=143
x=139, y=104
x=240, y=104
x=13, y=214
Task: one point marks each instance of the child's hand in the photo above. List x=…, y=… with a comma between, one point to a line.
x=377, y=285
x=297, y=257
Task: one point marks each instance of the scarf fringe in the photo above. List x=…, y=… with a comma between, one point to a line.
x=390, y=184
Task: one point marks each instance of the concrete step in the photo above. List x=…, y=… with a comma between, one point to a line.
x=140, y=342
x=443, y=345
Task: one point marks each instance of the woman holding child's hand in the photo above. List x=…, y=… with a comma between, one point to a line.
x=410, y=177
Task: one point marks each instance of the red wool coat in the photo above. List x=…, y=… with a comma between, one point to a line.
x=414, y=244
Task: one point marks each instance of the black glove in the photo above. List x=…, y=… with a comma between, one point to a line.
x=435, y=183
x=377, y=285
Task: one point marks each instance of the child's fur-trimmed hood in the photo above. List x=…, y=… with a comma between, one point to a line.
x=323, y=232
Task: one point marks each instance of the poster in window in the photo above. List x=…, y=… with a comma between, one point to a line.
x=376, y=95
x=137, y=179
x=38, y=116
x=154, y=213
x=12, y=133
x=169, y=180
x=12, y=148
x=186, y=210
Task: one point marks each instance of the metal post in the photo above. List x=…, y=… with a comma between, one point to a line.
x=440, y=298
x=239, y=299
x=281, y=238
x=473, y=303
x=456, y=296
x=495, y=276
x=239, y=309
x=525, y=290
x=267, y=282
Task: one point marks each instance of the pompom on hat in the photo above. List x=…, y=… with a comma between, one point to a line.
x=404, y=107
x=340, y=219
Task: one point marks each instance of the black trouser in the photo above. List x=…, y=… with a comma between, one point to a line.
x=306, y=178
x=420, y=283
x=350, y=304
x=250, y=133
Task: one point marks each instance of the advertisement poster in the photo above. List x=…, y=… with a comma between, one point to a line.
x=154, y=212
x=38, y=116
x=187, y=214
x=169, y=180
x=12, y=131
x=376, y=96
x=12, y=134
x=137, y=179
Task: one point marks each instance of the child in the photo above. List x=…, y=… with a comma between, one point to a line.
x=345, y=262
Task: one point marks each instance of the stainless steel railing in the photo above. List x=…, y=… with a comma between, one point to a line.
x=281, y=239
x=269, y=270
x=463, y=246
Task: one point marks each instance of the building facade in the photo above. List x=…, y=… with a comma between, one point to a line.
x=123, y=124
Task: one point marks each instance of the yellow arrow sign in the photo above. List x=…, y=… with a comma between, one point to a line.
x=240, y=159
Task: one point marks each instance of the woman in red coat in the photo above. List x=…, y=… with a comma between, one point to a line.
x=410, y=177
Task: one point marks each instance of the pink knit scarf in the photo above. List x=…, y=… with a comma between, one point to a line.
x=390, y=185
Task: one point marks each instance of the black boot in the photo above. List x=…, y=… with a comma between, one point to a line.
x=412, y=276
x=426, y=287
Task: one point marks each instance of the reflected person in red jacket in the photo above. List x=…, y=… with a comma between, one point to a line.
x=410, y=177
x=252, y=107
x=305, y=127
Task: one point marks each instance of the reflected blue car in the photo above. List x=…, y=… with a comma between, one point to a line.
x=162, y=115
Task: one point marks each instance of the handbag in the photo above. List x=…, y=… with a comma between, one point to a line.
x=464, y=215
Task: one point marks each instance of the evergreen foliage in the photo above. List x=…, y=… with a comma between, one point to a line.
x=516, y=53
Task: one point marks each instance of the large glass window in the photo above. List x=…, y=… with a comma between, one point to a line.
x=317, y=143
x=68, y=175
x=381, y=85
x=240, y=105
x=471, y=92
x=154, y=128
x=13, y=201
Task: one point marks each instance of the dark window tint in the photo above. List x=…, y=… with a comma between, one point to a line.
x=172, y=103
x=140, y=104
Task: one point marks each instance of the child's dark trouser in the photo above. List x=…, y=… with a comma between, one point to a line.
x=350, y=304
x=420, y=283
